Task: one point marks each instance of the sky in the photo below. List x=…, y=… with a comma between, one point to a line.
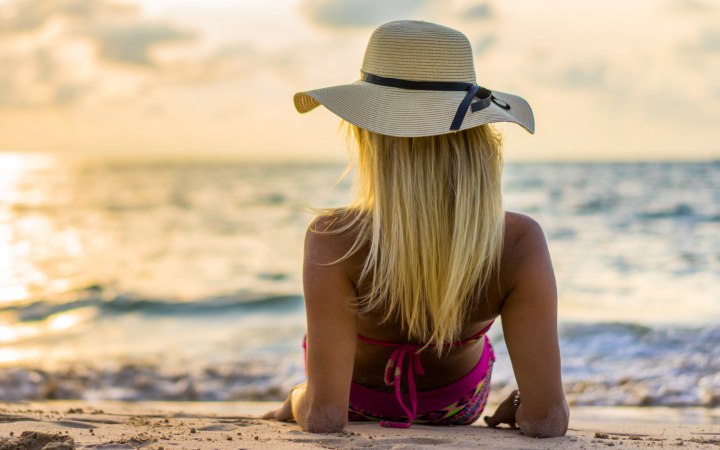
x=607, y=79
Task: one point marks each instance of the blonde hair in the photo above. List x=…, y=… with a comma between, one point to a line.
x=430, y=211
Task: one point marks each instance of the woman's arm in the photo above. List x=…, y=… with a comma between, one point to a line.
x=321, y=404
x=529, y=318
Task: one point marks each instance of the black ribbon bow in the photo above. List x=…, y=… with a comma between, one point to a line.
x=473, y=91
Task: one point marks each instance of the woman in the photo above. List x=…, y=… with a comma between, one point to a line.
x=402, y=286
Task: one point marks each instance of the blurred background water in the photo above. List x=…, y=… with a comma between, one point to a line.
x=182, y=281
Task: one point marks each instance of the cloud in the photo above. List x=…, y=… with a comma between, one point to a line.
x=131, y=43
x=240, y=60
x=118, y=29
x=678, y=106
x=63, y=52
x=354, y=13
x=691, y=6
x=40, y=75
x=483, y=44
x=479, y=11
x=592, y=75
x=19, y=16
x=701, y=55
x=708, y=42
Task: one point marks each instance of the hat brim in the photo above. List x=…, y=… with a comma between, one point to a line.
x=410, y=113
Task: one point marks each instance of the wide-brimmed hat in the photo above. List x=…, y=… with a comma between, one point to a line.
x=418, y=79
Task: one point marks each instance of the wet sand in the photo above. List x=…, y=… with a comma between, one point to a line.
x=66, y=425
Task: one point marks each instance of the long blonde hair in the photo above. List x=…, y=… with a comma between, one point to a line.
x=430, y=211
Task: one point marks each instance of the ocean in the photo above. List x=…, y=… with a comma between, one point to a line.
x=182, y=281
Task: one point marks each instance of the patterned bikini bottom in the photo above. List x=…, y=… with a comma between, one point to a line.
x=459, y=403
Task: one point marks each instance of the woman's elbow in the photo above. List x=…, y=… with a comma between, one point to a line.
x=325, y=420
x=555, y=423
x=544, y=430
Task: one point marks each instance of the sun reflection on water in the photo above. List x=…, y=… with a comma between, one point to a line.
x=67, y=320
x=17, y=172
x=28, y=340
x=12, y=355
x=17, y=332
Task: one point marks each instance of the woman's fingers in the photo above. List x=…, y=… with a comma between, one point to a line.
x=500, y=416
x=269, y=415
x=282, y=413
x=491, y=421
x=495, y=420
x=505, y=413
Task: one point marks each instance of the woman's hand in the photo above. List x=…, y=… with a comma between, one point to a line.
x=283, y=413
x=505, y=413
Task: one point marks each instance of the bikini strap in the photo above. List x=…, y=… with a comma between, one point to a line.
x=474, y=337
x=386, y=344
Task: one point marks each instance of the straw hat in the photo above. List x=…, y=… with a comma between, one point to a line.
x=418, y=79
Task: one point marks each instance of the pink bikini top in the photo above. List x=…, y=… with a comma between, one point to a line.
x=394, y=370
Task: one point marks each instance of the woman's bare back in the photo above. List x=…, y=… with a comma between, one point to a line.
x=370, y=359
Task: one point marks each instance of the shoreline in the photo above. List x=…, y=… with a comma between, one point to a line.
x=232, y=425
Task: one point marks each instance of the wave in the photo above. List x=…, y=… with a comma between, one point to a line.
x=604, y=364
x=679, y=210
x=628, y=364
x=123, y=303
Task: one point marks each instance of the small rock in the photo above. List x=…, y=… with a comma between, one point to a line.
x=193, y=430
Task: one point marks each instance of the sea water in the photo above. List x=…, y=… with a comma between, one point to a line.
x=182, y=281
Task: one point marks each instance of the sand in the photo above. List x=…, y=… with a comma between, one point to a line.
x=231, y=425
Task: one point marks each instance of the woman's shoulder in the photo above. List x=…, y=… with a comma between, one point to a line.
x=524, y=241
x=521, y=228
x=337, y=221
x=332, y=233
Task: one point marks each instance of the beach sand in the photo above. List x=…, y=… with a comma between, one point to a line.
x=231, y=425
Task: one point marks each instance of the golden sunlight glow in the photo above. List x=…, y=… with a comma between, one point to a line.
x=15, y=355
x=15, y=169
x=19, y=331
x=217, y=82
x=10, y=293
x=10, y=355
x=8, y=334
x=13, y=165
x=63, y=321
x=55, y=323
